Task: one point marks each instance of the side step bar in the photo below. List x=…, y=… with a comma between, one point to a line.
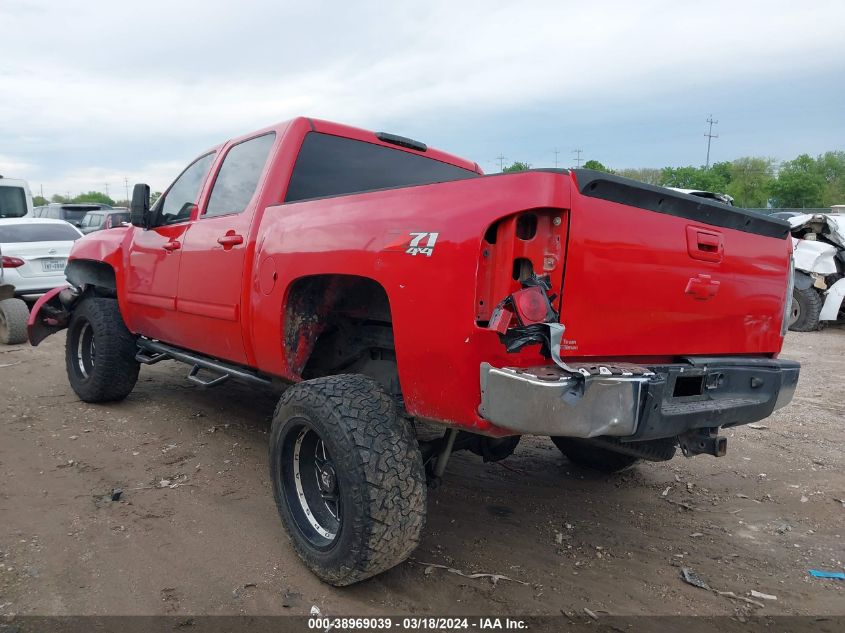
x=152, y=352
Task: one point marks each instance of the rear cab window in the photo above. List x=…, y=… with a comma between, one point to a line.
x=330, y=165
x=18, y=233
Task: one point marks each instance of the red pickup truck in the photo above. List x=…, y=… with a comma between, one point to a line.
x=389, y=286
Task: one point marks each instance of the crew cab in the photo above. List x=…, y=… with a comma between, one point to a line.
x=390, y=288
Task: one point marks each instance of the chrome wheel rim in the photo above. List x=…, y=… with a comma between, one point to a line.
x=312, y=487
x=85, y=350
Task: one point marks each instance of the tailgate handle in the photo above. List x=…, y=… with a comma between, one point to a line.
x=705, y=245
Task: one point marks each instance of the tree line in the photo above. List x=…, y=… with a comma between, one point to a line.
x=753, y=181
x=96, y=197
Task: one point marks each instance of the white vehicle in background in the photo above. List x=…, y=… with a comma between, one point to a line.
x=33, y=257
x=15, y=198
x=818, y=242
x=710, y=195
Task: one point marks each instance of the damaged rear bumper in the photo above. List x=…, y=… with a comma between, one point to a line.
x=632, y=402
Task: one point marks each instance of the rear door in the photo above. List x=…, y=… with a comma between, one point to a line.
x=212, y=287
x=155, y=255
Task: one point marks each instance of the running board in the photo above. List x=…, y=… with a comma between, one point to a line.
x=152, y=352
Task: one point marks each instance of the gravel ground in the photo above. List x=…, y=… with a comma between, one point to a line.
x=756, y=519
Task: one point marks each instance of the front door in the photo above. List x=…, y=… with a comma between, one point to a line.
x=211, y=277
x=156, y=253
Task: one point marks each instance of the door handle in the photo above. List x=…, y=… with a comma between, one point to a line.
x=229, y=240
x=172, y=245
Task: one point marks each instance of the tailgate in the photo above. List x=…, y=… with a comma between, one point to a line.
x=651, y=272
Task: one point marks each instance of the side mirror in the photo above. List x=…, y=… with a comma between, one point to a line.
x=139, y=210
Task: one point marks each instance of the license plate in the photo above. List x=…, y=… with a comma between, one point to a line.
x=53, y=265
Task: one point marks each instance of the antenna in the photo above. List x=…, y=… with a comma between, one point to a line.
x=710, y=136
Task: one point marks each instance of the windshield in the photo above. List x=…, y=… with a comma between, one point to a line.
x=17, y=233
x=12, y=202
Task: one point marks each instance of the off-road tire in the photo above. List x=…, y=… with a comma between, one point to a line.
x=806, y=308
x=592, y=456
x=14, y=316
x=379, y=476
x=113, y=370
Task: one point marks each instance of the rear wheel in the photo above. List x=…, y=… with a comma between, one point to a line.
x=806, y=308
x=13, y=320
x=347, y=477
x=100, y=352
x=592, y=456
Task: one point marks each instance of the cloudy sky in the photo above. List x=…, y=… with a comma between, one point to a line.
x=98, y=91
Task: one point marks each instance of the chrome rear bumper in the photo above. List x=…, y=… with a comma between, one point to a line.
x=559, y=404
x=637, y=403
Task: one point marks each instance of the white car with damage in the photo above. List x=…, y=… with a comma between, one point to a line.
x=818, y=242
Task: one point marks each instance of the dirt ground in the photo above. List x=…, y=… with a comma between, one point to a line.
x=757, y=519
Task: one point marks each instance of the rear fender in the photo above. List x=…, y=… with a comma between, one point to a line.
x=47, y=316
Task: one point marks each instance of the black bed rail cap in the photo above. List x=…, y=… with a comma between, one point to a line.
x=599, y=184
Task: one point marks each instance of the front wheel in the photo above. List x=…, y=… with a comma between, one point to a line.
x=100, y=352
x=347, y=478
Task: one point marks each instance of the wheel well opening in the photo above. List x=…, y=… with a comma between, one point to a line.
x=86, y=272
x=339, y=324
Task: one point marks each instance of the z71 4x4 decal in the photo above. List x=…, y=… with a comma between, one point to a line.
x=415, y=243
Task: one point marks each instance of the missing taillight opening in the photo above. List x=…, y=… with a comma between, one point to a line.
x=526, y=226
x=522, y=268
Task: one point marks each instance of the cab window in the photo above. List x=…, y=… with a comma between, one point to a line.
x=182, y=197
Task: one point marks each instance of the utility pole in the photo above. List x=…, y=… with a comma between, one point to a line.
x=710, y=136
x=126, y=187
x=501, y=159
x=577, y=153
x=557, y=151
x=107, y=189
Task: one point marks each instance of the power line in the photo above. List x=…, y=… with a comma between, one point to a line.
x=577, y=153
x=710, y=136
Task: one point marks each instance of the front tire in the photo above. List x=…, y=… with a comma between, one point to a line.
x=100, y=352
x=14, y=316
x=347, y=477
x=806, y=308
